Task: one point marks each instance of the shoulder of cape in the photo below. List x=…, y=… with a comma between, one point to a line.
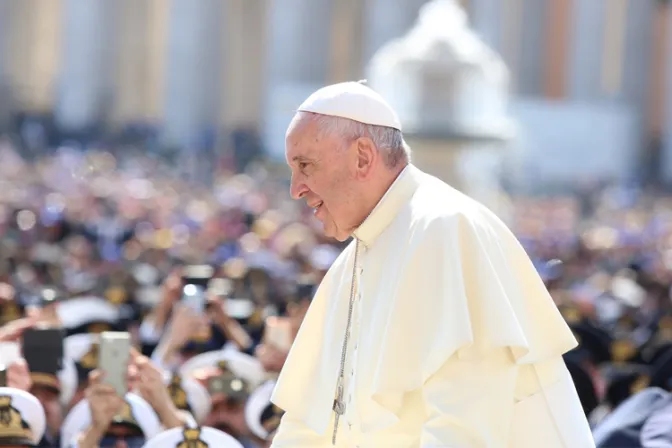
x=457, y=226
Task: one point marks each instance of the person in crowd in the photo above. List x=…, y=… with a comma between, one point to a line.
x=193, y=438
x=22, y=419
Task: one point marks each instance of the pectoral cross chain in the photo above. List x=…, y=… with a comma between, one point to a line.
x=339, y=404
x=339, y=408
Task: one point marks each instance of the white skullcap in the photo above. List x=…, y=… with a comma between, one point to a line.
x=141, y=414
x=352, y=100
x=241, y=364
x=261, y=416
x=197, y=398
x=26, y=407
x=209, y=436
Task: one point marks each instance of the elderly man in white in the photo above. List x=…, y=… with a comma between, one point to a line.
x=432, y=328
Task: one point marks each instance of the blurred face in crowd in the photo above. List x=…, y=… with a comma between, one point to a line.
x=330, y=173
x=79, y=395
x=227, y=415
x=119, y=436
x=53, y=410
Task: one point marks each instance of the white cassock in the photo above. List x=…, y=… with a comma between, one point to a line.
x=455, y=341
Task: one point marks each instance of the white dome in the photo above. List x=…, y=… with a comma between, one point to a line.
x=442, y=79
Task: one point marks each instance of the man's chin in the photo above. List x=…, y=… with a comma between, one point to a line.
x=341, y=237
x=337, y=234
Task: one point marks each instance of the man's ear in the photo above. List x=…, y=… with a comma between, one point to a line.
x=367, y=154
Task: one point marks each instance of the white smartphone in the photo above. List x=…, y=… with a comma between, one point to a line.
x=113, y=357
x=193, y=296
x=278, y=332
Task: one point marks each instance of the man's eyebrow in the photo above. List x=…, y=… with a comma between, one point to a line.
x=300, y=159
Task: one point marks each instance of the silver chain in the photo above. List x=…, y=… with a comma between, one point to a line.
x=339, y=405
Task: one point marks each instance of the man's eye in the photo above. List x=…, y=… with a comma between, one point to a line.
x=303, y=165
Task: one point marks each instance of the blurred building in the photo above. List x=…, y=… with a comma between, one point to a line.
x=590, y=78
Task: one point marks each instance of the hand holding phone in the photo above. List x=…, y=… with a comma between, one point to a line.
x=193, y=296
x=43, y=349
x=195, y=281
x=113, y=358
x=278, y=333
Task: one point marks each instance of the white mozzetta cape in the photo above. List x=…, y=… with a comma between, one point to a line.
x=443, y=279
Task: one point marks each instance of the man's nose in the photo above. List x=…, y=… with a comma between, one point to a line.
x=297, y=189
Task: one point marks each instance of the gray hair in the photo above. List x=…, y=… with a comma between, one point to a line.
x=389, y=141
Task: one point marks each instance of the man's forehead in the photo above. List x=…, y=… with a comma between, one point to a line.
x=300, y=141
x=299, y=128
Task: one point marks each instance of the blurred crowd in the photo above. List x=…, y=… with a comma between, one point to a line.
x=91, y=242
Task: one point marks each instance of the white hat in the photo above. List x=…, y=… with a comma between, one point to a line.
x=69, y=380
x=352, y=100
x=262, y=416
x=79, y=282
x=77, y=346
x=209, y=436
x=137, y=411
x=239, y=308
x=24, y=410
x=188, y=395
x=83, y=310
x=242, y=365
x=148, y=296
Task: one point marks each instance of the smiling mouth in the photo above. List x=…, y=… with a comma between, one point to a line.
x=317, y=206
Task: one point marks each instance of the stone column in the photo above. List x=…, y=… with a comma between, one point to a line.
x=666, y=156
x=637, y=54
x=298, y=63
x=5, y=55
x=193, y=73
x=486, y=20
x=586, y=49
x=385, y=20
x=138, y=79
x=86, y=79
x=5, y=31
x=636, y=74
x=34, y=55
x=245, y=63
x=531, y=55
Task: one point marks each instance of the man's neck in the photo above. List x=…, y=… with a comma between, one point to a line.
x=378, y=191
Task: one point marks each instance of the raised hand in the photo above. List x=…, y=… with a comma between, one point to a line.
x=18, y=375
x=148, y=382
x=104, y=402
